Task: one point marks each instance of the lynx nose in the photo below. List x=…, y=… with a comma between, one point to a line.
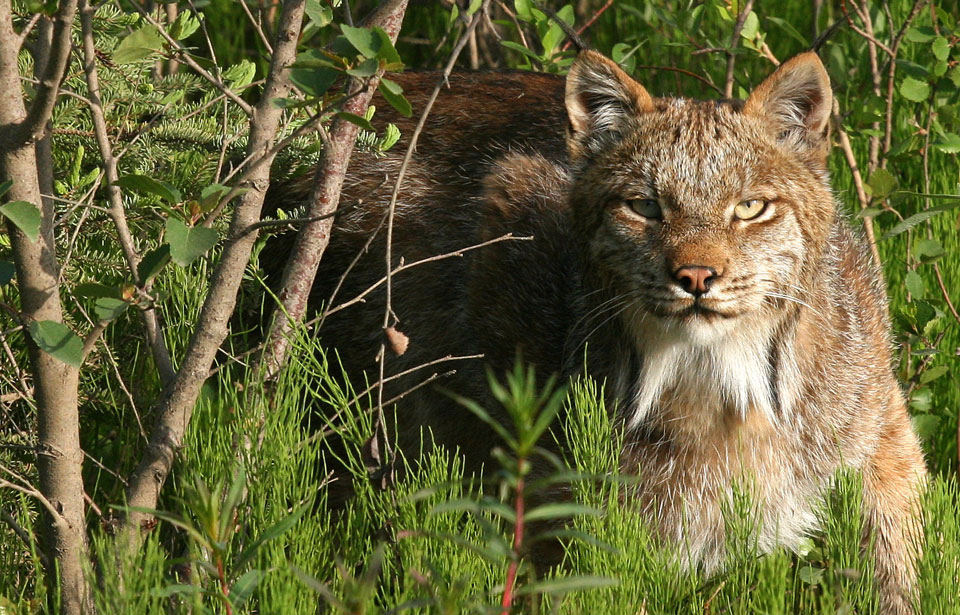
x=695, y=279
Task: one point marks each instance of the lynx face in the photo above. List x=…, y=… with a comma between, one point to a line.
x=703, y=219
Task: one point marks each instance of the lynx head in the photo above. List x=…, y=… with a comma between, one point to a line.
x=708, y=219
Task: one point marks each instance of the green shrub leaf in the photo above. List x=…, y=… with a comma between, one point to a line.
x=914, y=89
x=7, y=271
x=108, y=308
x=25, y=216
x=138, y=45
x=58, y=340
x=187, y=243
x=393, y=94
x=244, y=586
x=363, y=40
x=148, y=185
x=153, y=263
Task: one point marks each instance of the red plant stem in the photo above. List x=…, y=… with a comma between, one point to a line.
x=223, y=586
x=517, y=542
x=589, y=23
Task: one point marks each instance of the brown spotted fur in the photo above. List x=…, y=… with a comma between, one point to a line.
x=779, y=375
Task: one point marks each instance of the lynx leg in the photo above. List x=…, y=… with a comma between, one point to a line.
x=893, y=482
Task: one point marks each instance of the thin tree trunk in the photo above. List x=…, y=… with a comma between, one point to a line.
x=313, y=237
x=59, y=458
x=175, y=408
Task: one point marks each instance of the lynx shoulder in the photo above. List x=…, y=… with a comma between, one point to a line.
x=695, y=247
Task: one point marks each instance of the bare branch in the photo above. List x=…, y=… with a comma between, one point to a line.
x=158, y=347
x=47, y=90
x=313, y=238
x=734, y=42
x=174, y=410
x=23, y=535
x=404, y=266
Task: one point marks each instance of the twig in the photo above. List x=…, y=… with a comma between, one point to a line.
x=47, y=90
x=175, y=408
x=313, y=238
x=24, y=536
x=256, y=26
x=857, y=181
x=734, y=42
x=401, y=173
x=403, y=267
x=411, y=370
x=158, y=347
x=703, y=80
x=589, y=23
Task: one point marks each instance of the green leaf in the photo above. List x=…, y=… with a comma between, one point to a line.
x=108, y=308
x=928, y=250
x=882, y=183
x=923, y=216
x=153, y=263
x=926, y=425
x=921, y=34
x=520, y=48
x=184, y=25
x=25, y=216
x=5, y=186
x=313, y=81
x=787, y=27
x=914, y=89
x=922, y=399
x=187, y=244
x=138, y=45
x=914, y=284
x=563, y=585
x=148, y=185
x=7, y=272
x=560, y=510
x=940, y=48
x=949, y=143
x=362, y=122
x=811, y=575
x=933, y=373
x=240, y=74
x=390, y=137
x=367, y=68
x=869, y=212
x=243, y=587
x=95, y=289
x=271, y=533
x=387, y=52
x=58, y=340
x=320, y=14
x=751, y=26
x=393, y=93
x=363, y=40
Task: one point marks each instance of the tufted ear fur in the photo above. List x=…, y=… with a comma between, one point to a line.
x=600, y=98
x=796, y=101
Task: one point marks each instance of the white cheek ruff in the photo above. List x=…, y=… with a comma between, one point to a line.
x=731, y=371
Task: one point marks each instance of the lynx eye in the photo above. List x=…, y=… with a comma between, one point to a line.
x=748, y=210
x=648, y=208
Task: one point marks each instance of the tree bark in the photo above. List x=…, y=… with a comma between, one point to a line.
x=176, y=406
x=313, y=237
x=59, y=458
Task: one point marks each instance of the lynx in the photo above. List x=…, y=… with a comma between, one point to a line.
x=692, y=249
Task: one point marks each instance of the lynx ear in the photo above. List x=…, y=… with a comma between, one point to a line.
x=796, y=100
x=600, y=98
